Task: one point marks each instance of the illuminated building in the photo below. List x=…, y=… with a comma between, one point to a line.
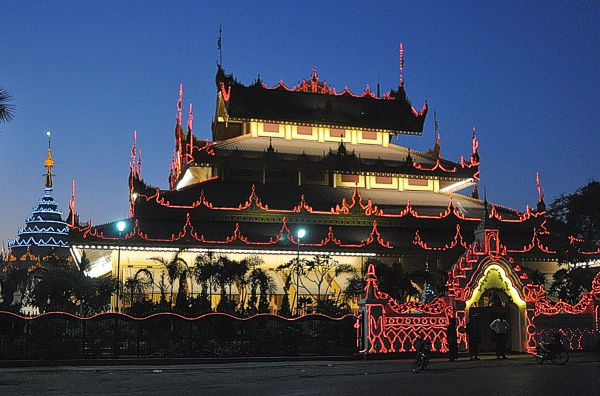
x=310, y=157
x=45, y=232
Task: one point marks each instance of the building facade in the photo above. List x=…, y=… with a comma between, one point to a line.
x=309, y=158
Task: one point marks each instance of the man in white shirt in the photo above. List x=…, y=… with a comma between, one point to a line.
x=500, y=327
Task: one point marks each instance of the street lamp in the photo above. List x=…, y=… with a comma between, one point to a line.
x=300, y=234
x=120, y=227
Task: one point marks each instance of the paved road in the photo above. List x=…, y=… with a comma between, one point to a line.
x=517, y=376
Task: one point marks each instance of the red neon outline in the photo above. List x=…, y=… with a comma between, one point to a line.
x=173, y=314
x=438, y=165
x=226, y=94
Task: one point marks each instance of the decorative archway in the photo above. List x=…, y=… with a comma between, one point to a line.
x=486, y=265
x=387, y=326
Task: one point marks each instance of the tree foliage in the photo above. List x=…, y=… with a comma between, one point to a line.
x=60, y=285
x=6, y=107
x=569, y=284
x=576, y=215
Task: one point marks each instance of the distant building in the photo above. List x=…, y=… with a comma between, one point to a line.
x=45, y=232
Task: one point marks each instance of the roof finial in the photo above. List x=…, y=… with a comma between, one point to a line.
x=539, y=188
x=541, y=205
x=401, y=65
x=270, y=149
x=72, y=206
x=475, y=193
x=190, y=143
x=219, y=46
x=179, y=103
x=190, y=120
x=49, y=163
x=132, y=164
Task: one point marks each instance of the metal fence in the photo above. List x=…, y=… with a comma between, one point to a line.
x=168, y=335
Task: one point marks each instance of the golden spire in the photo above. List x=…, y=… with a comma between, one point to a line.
x=49, y=163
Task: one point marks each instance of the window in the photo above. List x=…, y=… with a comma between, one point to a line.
x=270, y=127
x=383, y=179
x=350, y=178
x=336, y=132
x=304, y=130
x=369, y=135
x=418, y=182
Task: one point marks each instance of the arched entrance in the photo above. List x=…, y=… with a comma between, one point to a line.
x=495, y=295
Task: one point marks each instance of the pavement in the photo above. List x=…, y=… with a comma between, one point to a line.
x=463, y=359
x=519, y=374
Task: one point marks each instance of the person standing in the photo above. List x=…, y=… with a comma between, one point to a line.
x=473, y=336
x=452, y=340
x=500, y=328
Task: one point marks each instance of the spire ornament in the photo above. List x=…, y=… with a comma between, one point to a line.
x=541, y=205
x=49, y=163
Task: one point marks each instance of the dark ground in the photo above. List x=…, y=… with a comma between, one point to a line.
x=518, y=375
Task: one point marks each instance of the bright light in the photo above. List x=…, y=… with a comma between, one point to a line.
x=48, y=133
x=121, y=226
x=301, y=233
x=457, y=186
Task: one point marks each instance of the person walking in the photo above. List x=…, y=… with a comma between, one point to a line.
x=500, y=328
x=473, y=335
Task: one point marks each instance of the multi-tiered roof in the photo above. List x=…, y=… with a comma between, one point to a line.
x=284, y=158
x=44, y=231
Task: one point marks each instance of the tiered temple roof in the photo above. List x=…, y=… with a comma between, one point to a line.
x=44, y=231
x=285, y=158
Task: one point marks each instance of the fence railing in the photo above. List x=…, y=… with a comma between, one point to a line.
x=167, y=335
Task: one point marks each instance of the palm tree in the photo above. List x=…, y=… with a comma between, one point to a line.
x=174, y=268
x=259, y=280
x=205, y=272
x=229, y=272
x=137, y=285
x=6, y=108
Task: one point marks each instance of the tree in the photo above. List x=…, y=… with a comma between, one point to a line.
x=205, y=272
x=321, y=271
x=63, y=286
x=395, y=281
x=267, y=287
x=355, y=288
x=12, y=279
x=228, y=272
x=174, y=268
x=316, y=276
x=569, y=284
x=138, y=285
x=576, y=215
x=284, y=309
x=6, y=108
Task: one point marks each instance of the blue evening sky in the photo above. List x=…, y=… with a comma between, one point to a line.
x=524, y=73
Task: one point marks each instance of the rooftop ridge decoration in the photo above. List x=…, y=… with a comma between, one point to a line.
x=528, y=214
x=354, y=206
x=475, y=160
x=456, y=241
x=437, y=165
x=188, y=230
x=314, y=85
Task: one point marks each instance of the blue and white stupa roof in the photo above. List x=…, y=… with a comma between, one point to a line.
x=45, y=229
